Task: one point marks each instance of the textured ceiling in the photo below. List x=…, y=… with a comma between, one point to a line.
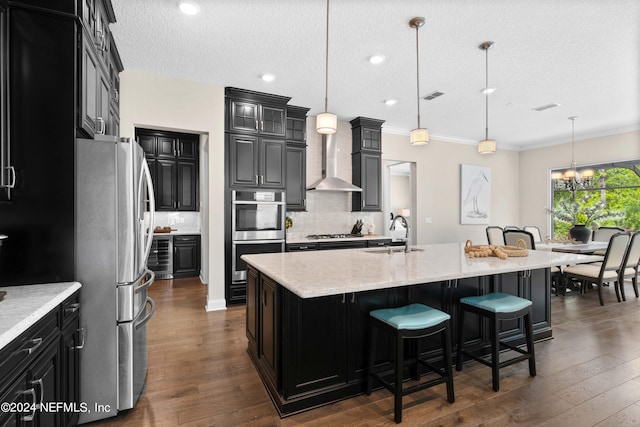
x=582, y=54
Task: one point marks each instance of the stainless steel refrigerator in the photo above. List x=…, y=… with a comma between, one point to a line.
x=114, y=230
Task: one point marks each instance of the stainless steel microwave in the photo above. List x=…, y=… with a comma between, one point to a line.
x=258, y=215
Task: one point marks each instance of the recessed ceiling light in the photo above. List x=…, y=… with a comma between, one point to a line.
x=189, y=7
x=390, y=101
x=488, y=90
x=376, y=59
x=268, y=77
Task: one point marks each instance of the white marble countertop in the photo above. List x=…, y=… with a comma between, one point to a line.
x=178, y=233
x=311, y=274
x=24, y=305
x=297, y=238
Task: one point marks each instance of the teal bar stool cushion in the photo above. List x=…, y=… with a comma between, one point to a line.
x=412, y=316
x=497, y=302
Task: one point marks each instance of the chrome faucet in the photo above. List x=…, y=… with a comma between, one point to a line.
x=407, y=242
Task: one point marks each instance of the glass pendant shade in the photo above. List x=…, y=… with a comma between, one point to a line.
x=326, y=123
x=570, y=174
x=487, y=146
x=419, y=136
x=556, y=175
x=587, y=173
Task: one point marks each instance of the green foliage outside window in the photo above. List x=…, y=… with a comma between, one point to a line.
x=612, y=199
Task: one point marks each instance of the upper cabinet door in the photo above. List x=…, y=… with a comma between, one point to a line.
x=89, y=89
x=166, y=147
x=243, y=167
x=272, y=158
x=272, y=121
x=371, y=139
x=187, y=149
x=244, y=116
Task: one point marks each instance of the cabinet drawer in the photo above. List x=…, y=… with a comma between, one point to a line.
x=297, y=247
x=178, y=239
x=380, y=242
x=27, y=347
x=70, y=309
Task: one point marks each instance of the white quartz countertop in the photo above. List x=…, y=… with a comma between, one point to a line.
x=179, y=233
x=311, y=274
x=24, y=305
x=298, y=238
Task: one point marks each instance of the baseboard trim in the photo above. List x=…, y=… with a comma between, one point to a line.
x=216, y=305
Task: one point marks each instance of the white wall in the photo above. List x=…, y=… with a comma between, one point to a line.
x=438, y=187
x=164, y=103
x=535, y=191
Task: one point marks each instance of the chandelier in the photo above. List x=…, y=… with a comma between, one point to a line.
x=573, y=179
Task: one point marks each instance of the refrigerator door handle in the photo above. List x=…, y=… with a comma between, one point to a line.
x=152, y=206
x=146, y=318
x=146, y=283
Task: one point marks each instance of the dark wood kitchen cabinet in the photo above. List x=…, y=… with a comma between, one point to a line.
x=256, y=162
x=296, y=137
x=255, y=138
x=367, y=164
x=99, y=68
x=5, y=163
x=173, y=162
x=186, y=256
x=41, y=366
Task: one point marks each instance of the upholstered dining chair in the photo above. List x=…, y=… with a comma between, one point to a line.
x=511, y=238
x=629, y=267
x=605, y=271
x=535, y=231
x=603, y=234
x=494, y=235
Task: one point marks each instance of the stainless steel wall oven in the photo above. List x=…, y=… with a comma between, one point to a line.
x=257, y=226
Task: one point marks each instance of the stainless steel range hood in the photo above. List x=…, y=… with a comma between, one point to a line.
x=330, y=180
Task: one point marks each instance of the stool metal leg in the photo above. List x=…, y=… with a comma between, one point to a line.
x=495, y=353
x=530, y=346
x=398, y=385
x=460, y=338
x=446, y=338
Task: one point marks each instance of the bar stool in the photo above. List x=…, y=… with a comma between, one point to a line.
x=497, y=306
x=412, y=321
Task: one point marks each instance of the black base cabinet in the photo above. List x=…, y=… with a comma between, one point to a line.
x=186, y=256
x=41, y=366
x=313, y=351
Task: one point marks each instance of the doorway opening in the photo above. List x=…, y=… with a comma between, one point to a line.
x=399, y=189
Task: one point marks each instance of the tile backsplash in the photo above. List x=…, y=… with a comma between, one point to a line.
x=183, y=221
x=329, y=212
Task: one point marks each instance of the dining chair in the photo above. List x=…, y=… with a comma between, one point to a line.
x=629, y=267
x=511, y=238
x=535, y=231
x=494, y=235
x=603, y=234
x=603, y=272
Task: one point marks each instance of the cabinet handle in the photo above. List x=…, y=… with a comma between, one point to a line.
x=257, y=125
x=261, y=179
x=37, y=342
x=363, y=203
x=32, y=392
x=83, y=335
x=343, y=299
x=304, y=202
x=102, y=39
x=103, y=126
x=72, y=308
x=302, y=248
x=12, y=180
x=41, y=385
x=353, y=297
x=262, y=125
x=257, y=180
x=116, y=95
x=175, y=152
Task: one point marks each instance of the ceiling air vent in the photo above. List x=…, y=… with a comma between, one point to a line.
x=433, y=95
x=545, y=107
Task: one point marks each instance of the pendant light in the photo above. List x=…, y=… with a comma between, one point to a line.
x=486, y=146
x=418, y=136
x=326, y=122
x=574, y=179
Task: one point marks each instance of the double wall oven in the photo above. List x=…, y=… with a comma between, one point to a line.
x=257, y=226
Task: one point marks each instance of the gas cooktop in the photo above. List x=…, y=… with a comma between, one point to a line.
x=332, y=236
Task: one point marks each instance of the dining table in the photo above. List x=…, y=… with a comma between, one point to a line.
x=572, y=247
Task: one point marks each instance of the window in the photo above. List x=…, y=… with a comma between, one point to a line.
x=610, y=198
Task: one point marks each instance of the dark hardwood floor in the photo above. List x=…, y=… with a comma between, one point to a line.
x=200, y=374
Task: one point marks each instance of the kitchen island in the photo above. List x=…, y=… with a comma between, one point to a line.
x=308, y=312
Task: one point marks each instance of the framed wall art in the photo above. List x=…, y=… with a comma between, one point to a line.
x=475, y=194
